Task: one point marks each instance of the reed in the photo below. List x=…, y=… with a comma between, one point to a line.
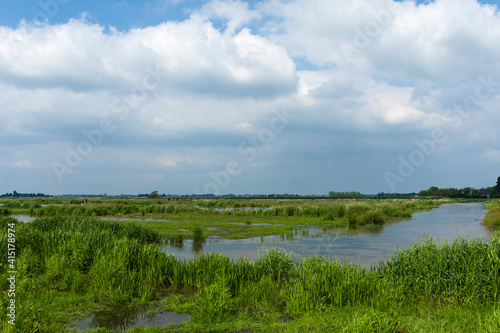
x=492, y=218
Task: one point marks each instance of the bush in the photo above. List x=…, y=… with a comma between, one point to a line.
x=198, y=234
x=339, y=210
x=354, y=218
x=329, y=217
x=373, y=217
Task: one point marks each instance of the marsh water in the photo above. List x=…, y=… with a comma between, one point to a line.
x=366, y=246
x=123, y=318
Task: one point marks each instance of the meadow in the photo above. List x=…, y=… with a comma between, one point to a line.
x=71, y=263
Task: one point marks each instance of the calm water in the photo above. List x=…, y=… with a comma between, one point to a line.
x=124, y=318
x=356, y=246
x=23, y=218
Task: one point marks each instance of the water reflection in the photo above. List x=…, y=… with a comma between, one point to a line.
x=358, y=230
x=179, y=245
x=197, y=247
x=23, y=218
x=123, y=318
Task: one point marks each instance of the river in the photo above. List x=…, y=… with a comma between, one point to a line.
x=366, y=246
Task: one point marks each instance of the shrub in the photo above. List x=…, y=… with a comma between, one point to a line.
x=198, y=234
x=339, y=210
x=373, y=217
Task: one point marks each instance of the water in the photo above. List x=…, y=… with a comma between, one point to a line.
x=124, y=318
x=23, y=218
x=246, y=209
x=365, y=246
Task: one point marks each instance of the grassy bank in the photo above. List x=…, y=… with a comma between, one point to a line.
x=68, y=267
x=492, y=218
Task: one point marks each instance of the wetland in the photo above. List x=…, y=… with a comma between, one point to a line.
x=253, y=265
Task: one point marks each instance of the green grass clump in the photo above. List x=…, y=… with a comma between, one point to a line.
x=373, y=217
x=364, y=216
x=176, y=238
x=492, y=218
x=198, y=234
x=215, y=303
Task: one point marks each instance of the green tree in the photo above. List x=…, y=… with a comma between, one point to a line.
x=154, y=195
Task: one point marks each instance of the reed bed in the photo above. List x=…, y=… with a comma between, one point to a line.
x=360, y=211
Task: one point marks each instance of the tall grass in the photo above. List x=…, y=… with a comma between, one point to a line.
x=327, y=209
x=492, y=218
x=119, y=263
x=461, y=272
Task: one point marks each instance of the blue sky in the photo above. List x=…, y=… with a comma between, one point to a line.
x=241, y=97
x=121, y=14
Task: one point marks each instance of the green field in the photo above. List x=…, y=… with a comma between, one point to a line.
x=75, y=260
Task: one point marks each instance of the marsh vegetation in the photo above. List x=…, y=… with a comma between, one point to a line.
x=69, y=265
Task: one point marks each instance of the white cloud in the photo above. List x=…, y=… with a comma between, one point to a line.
x=80, y=56
x=492, y=155
x=237, y=13
x=22, y=164
x=444, y=41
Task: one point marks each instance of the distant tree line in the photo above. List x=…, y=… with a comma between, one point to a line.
x=466, y=192
x=397, y=195
x=23, y=195
x=351, y=194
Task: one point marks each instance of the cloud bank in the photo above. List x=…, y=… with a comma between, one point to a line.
x=359, y=85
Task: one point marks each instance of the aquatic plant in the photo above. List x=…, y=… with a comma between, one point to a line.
x=198, y=234
x=176, y=238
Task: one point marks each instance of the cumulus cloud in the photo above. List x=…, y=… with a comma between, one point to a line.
x=196, y=57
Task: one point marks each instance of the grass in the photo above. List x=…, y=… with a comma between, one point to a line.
x=492, y=218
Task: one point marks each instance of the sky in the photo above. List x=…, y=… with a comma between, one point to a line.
x=248, y=97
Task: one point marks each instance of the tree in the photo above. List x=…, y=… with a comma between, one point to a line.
x=154, y=195
x=498, y=185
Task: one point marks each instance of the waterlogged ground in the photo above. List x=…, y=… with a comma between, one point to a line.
x=365, y=245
